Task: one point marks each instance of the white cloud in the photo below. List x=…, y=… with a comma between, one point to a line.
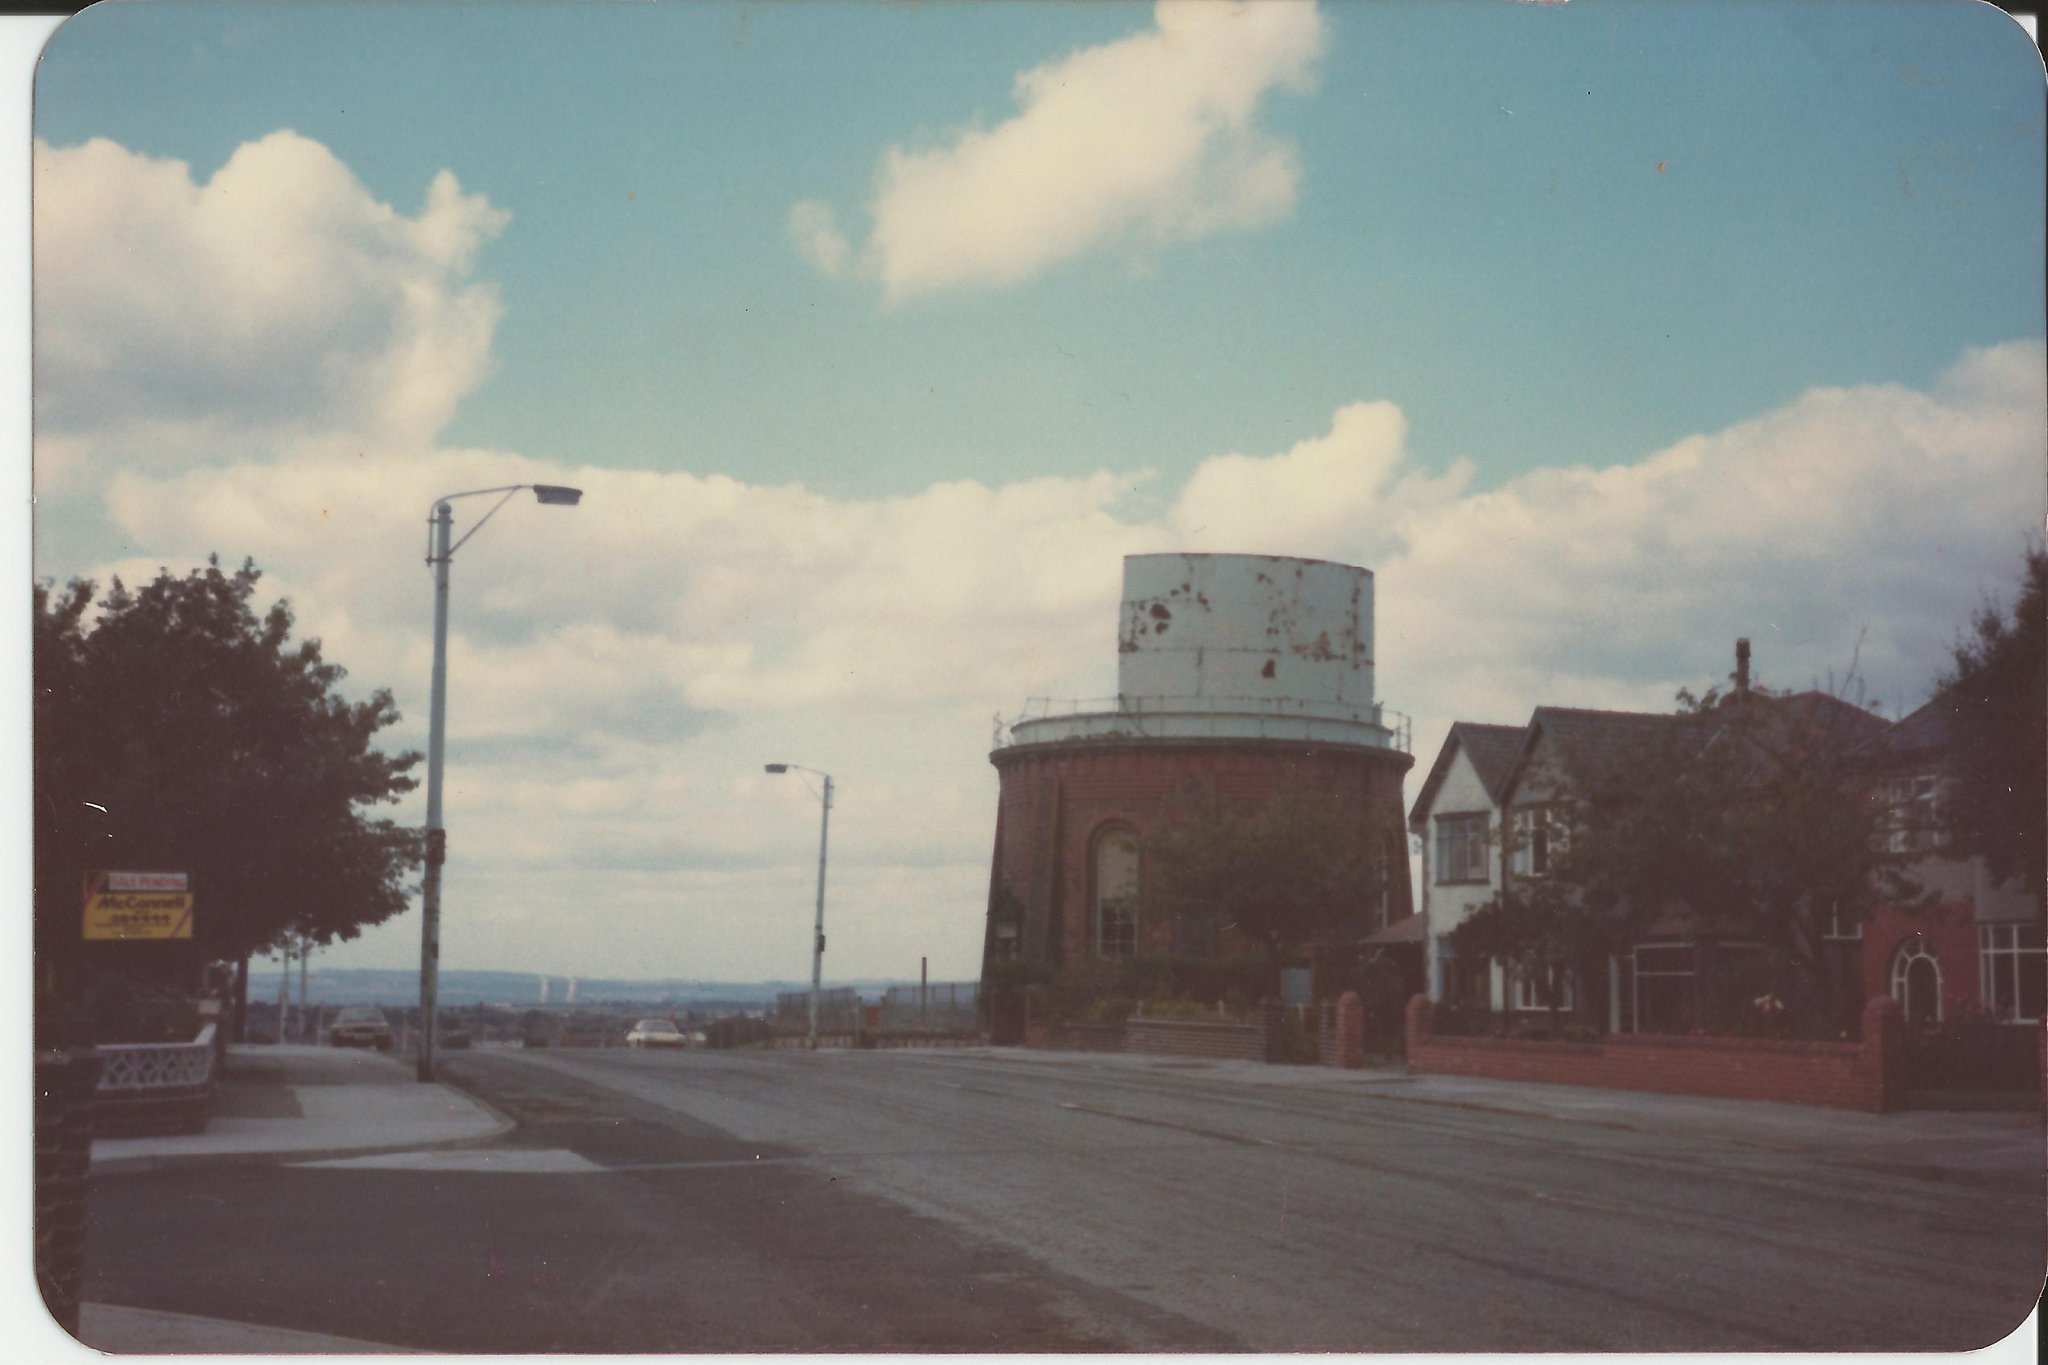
x=279, y=301
x=1138, y=143
x=620, y=672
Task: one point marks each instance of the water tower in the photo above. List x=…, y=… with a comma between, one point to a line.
x=1241, y=676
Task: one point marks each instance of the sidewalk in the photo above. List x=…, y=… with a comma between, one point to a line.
x=305, y=1101
x=301, y=1102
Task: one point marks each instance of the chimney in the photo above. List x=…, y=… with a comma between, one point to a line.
x=1742, y=669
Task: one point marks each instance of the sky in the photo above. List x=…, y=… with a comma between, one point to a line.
x=878, y=333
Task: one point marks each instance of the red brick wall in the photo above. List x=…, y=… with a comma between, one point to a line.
x=1193, y=1038
x=1055, y=798
x=1949, y=931
x=1074, y=1037
x=1836, y=1075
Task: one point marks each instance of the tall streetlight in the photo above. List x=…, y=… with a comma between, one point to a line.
x=439, y=554
x=818, y=931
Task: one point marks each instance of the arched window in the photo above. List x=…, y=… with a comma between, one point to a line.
x=1114, y=921
x=1916, y=981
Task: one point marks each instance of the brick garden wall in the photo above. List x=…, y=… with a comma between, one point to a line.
x=1836, y=1075
x=1194, y=1038
x=1074, y=1037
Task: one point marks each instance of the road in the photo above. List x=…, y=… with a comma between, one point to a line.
x=715, y=1201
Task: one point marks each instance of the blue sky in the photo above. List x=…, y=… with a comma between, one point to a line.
x=1604, y=332
x=1483, y=232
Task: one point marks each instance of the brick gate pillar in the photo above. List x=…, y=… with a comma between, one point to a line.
x=1350, y=1030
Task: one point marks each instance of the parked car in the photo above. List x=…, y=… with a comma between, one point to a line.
x=361, y=1026
x=654, y=1033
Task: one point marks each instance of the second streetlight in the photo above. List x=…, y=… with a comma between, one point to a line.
x=818, y=931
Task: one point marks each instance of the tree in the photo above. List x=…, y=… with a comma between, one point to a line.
x=1748, y=812
x=1281, y=873
x=175, y=729
x=1995, y=697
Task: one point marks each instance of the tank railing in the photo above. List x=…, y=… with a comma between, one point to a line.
x=1398, y=727
x=1129, y=703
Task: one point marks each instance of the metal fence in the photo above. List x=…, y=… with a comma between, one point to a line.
x=945, y=1006
x=838, y=1011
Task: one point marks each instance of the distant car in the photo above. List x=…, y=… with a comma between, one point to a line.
x=654, y=1033
x=361, y=1026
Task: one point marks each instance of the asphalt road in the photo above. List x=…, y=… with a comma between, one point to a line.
x=713, y=1201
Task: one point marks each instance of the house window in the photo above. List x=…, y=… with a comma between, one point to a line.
x=1545, y=986
x=1662, y=982
x=1464, y=981
x=1911, y=813
x=1115, y=919
x=1916, y=981
x=1539, y=841
x=2010, y=975
x=1460, y=848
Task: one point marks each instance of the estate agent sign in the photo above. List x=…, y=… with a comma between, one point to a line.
x=137, y=905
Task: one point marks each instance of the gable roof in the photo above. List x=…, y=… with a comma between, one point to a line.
x=1822, y=717
x=1921, y=737
x=1492, y=750
x=1585, y=741
x=1489, y=748
x=1588, y=743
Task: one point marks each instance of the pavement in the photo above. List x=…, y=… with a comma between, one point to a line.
x=288, y=1102
x=304, y=1103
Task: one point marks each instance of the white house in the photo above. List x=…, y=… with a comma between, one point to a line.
x=1457, y=816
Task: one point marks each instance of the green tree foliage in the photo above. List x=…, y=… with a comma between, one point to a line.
x=1280, y=873
x=175, y=729
x=1995, y=802
x=1748, y=816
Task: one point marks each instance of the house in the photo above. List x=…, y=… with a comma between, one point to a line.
x=1456, y=817
x=1489, y=824
x=1983, y=950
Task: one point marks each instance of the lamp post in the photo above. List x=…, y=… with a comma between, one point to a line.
x=439, y=554
x=818, y=930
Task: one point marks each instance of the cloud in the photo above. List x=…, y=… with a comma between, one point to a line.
x=620, y=672
x=1136, y=144
x=700, y=625
x=179, y=322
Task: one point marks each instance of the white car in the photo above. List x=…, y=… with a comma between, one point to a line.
x=654, y=1033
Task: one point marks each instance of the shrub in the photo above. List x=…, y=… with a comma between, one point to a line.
x=1179, y=1007
x=123, y=1012
x=1108, y=1009
x=1465, y=1021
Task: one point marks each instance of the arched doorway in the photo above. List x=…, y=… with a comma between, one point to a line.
x=1916, y=981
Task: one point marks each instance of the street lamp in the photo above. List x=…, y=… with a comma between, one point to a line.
x=818, y=931
x=439, y=554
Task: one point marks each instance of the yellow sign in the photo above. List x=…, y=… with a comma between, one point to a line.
x=137, y=905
